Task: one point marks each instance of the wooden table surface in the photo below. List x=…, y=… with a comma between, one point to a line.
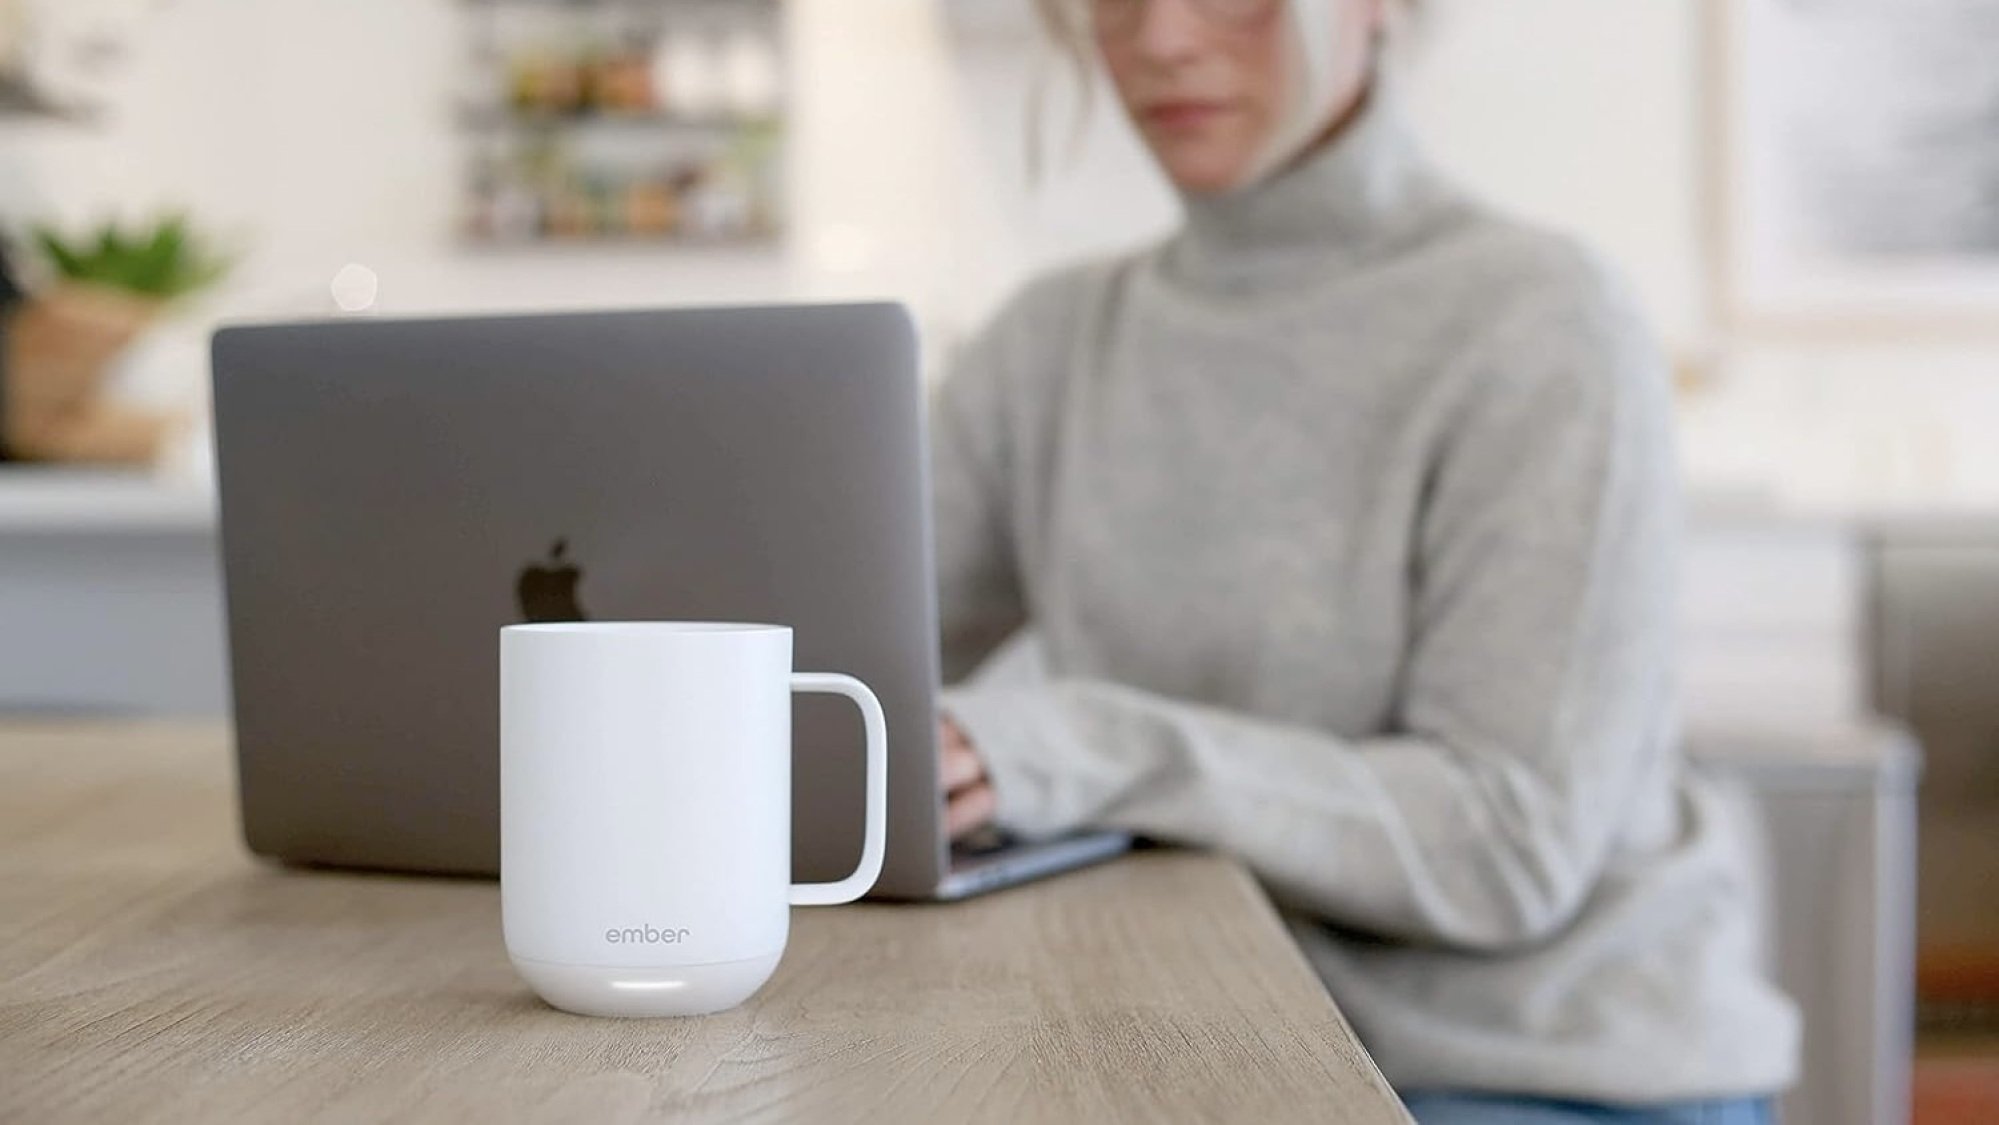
x=150, y=969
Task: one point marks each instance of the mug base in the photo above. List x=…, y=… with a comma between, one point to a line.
x=649, y=992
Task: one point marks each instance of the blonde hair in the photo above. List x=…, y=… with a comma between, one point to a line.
x=1066, y=24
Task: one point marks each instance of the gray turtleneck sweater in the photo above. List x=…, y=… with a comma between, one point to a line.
x=1338, y=533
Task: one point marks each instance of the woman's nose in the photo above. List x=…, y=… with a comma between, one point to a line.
x=1170, y=30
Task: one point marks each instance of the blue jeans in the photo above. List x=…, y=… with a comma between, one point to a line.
x=1487, y=1109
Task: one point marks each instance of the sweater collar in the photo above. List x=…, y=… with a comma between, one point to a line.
x=1344, y=204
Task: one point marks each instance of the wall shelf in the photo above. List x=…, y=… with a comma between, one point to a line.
x=20, y=101
x=637, y=5
x=753, y=244
x=484, y=118
x=37, y=499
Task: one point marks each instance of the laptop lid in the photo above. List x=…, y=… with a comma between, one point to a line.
x=394, y=491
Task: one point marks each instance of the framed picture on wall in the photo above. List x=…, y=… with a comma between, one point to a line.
x=1858, y=164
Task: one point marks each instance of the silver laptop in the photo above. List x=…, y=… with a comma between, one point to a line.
x=393, y=492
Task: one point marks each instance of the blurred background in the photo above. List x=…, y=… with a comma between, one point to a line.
x=1806, y=196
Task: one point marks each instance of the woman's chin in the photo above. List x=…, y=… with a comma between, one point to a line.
x=1204, y=156
x=1205, y=176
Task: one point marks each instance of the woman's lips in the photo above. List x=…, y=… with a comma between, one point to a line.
x=1182, y=114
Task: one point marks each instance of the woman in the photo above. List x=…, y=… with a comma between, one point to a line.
x=1338, y=532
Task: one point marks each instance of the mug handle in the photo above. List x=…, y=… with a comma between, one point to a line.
x=876, y=841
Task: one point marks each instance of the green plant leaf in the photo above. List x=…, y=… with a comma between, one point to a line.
x=163, y=260
x=156, y=263
x=201, y=275
x=67, y=262
x=111, y=242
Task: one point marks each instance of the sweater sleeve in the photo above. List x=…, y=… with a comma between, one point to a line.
x=1537, y=694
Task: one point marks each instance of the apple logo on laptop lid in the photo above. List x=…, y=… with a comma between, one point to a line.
x=547, y=590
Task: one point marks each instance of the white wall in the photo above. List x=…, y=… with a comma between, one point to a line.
x=306, y=131
x=1583, y=115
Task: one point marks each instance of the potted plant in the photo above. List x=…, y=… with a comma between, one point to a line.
x=109, y=286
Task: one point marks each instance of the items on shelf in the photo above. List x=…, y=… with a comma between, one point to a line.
x=689, y=97
x=547, y=194
x=688, y=74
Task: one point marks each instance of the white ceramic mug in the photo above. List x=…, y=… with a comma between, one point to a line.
x=645, y=811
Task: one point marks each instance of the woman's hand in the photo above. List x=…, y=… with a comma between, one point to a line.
x=970, y=802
